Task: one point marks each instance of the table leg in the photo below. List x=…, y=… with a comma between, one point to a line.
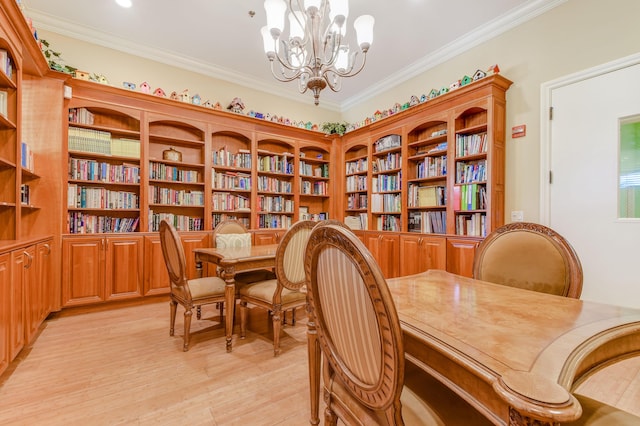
x=230, y=301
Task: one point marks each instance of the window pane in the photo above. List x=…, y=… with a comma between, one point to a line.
x=629, y=192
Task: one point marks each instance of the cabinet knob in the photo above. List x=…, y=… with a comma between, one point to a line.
x=48, y=248
x=29, y=260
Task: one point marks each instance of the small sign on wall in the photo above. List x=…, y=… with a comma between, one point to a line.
x=519, y=131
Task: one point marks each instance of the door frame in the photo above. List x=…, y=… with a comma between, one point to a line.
x=546, y=91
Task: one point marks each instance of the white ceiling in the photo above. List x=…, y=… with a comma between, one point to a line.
x=220, y=39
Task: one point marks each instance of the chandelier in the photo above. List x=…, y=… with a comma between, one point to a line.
x=315, y=50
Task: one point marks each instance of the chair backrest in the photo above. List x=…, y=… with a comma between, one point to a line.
x=174, y=257
x=231, y=233
x=290, y=255
x=357, y=325
x=529, y=256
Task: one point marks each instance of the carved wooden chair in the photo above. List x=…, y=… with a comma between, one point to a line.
x=529, y=256
x=188, y=293
x=366, y=380
x=285, y=292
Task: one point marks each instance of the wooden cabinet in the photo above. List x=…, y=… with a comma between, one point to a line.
x=419, y=253
x=385, y=248
x=460, y=255
x=21, y=259
x=275, y=198
x=261, y=238
x=386, y=182
x=99, y=269
x=37, y=287
x=5, y=300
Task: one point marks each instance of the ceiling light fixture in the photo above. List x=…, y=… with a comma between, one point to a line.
x=315, y=50
x=124, y=3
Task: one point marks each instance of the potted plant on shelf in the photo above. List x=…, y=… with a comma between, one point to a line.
x=334, y=128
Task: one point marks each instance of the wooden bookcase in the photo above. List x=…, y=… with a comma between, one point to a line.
x=276, y=185
x=432, y=176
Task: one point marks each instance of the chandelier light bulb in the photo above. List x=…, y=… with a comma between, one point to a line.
x=364, y=31
x=296, y=24
x=339, y=8
x=275, y=15
x=312, y=4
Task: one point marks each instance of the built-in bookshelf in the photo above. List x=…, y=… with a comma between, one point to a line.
x=356, y=186
x=275, y=195
x=231, y=183
x=314, y=183
x=470, y=167
x=427, y=177
x=386, y=183
x=103, y=171
x=9, y=167
x=176, y=175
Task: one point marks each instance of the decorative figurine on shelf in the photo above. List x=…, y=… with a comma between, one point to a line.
x=433, y=93
x=478, y=75
x=81, y=75
x=414, y=101
x=455, y=85
x=423, y=98
x=99, y=78
x=493, y=69
x=217, y=106
x=184, y=96
x=465, y=80
x=144, y=87
x=174, y=95
x=129, y=86
x=444, y=90
x=236, y=105
x=260, y=115
x=208, y=104
x=159, y=92
x=196, y=99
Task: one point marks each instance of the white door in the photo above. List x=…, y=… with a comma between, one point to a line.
x=583, y=193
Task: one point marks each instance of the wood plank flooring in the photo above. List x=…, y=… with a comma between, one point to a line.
x=121, y=367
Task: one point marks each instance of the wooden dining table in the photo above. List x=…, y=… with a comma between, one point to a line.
x=231, y=261
x=513, y=354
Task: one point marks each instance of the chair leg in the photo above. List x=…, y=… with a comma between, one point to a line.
x=187, y=328
x=172, y=315
x=243, y=319
x=276, y=330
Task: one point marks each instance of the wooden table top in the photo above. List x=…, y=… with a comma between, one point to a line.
x=530, y=346
x=238, y=254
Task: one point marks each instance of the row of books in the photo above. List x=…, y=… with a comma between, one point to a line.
x=100, y=142
x=431, y=222
x=6, y=63
x=387, y=222
x=269, y=184
x=84, y=197
x=383, y=183
x=221, y=217
x=472, y=144
x=82, y=223
x=274, y=204
x=160, y=195
x=357, y=201
x=227, y=201
x=240, y=159
x=180, y=222
x=356, y=183
x=388, y=142
x=274, y=221
x=427, y=196
x=473, y=171
x=473, y=225
x=432, y=167
x=26, y=157
x=472, y=196
x=391, y=161
x=230, y=180
x=356, y=222
x=314, y=188
x=316, y=217
x=386, y=203
x=357, y=166
x=101, y=171
x=161, y=171
x=276, y=164
x=307, y=169
x=81, y=116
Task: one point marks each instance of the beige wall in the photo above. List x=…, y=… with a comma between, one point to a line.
x=573, y=36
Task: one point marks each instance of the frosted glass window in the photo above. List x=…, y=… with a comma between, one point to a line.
x=629, y=190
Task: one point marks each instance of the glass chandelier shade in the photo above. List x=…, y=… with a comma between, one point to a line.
x=313, y=49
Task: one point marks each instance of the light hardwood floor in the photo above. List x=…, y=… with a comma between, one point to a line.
x=120, y=367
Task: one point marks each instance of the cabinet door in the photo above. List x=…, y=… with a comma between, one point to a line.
x=385, y=250
x=421, y=253
x=123, y=267
x=262, y=238
x=190, y=242
x=16, y=304
x=82, y=271
x=5, y=289
x=460, y=255
x=156, y=278
x=44, y=259
x=34, y=294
